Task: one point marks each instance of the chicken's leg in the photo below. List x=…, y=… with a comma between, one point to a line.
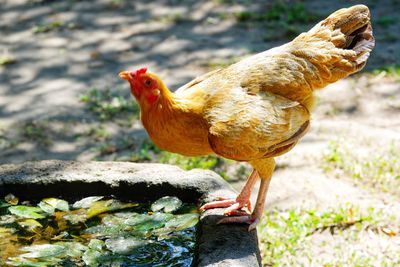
x=234, y=205
x=265, y=167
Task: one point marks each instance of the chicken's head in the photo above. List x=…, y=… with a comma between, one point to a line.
x=145, y=86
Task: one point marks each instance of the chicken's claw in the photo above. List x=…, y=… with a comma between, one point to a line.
x=235, y=210
x=238, y=213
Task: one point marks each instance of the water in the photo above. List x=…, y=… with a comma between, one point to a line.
x=97, y=231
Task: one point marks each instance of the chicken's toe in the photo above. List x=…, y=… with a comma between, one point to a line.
x=234, y=206
x=218, y=204
x=235, y=209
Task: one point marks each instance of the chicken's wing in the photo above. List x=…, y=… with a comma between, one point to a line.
x=247, y=126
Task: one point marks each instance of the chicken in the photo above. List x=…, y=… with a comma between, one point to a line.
x=257, y=108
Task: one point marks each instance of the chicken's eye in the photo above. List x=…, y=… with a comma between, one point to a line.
x=147, y=82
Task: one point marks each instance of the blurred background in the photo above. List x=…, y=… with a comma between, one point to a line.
x=336, y=193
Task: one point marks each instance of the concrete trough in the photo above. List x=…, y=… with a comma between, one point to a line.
x=217, y=245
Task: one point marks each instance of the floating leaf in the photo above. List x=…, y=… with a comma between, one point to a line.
x=101, y=206
x=42, y=251
x=4, y=204
x=155, y=221
x=11, y=199
x=107, y=230
x=72, y=249
x=19, y=261
x=6, y=231
x=96, y=244
x=8, y=240
x=47, y=254
x=125, y=214
x=86, y=202
x=110, y=220
x=56, y=203
x=7, y=219
x=46, y=207
x=62, y=223
x=168, y=204
x=178, y=223
x=26, y=212
x=124, y=245
x=136, y=218
x=30, y=224
x=48, y=232
x=76, y=216
x=93, y=254
x=162, y=216
x=61, y=236
x=181, y=222
x=91, y=257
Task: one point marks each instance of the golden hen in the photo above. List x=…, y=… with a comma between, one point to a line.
x=256, y=109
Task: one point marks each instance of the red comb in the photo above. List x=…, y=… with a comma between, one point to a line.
x=139, y=71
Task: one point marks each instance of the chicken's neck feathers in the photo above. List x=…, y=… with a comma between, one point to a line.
x=170, y=107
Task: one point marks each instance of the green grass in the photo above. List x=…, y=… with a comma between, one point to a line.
x=386, y=21
x=388, y=37
x=188, y=163
x=5, y=141
x=281, y=19
x=109, y=105
x=41, y=132
x=148, y=152
x=173, y=18
x=36, y=131
x=98, y=133
x=390, y=70
x=332, y=237
x=221, y=63
x=280, y=11
x=53, y=26
x=379, y=170
x=210, y=162
x=115, y=3
x=223, y=2
x=7, y=59
x=115, y=149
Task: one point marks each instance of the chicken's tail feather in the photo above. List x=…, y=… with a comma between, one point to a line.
x=356, y=31
x=337, y=46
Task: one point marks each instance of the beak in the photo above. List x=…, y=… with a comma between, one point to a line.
x=125, y=75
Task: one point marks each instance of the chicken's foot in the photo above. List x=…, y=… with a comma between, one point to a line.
x=265, y=167
x=234, y=206
x=255, y=217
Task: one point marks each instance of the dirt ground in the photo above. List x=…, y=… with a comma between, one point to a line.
x=58, y=50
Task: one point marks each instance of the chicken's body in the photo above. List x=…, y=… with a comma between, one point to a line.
x=258, y=108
